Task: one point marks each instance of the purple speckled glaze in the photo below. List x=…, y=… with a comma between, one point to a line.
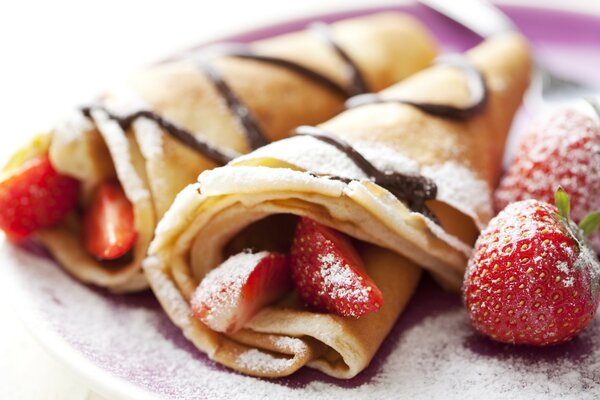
x=430, y=353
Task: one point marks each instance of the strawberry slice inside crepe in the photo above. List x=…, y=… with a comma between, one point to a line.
x=323, y=266
x=329, y=274
x=108, y=223
x=232, y=293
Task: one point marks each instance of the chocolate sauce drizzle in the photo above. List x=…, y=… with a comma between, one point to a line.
x=358, y=84
x=254, y=134
x=244, y=52
x=413, y=190
x=475, y=81
x=219, y=157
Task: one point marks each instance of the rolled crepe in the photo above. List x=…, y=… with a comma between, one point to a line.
x=153, y=166
x=230, y=207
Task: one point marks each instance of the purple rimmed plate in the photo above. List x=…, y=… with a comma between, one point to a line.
x=127, y=348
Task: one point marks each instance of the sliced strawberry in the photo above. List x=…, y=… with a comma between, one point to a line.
x=109, y=231
x=329, y=274
x=231, y=294
x=34, y=196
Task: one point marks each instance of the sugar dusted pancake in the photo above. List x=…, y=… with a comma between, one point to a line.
x=407, y=174
x=196, y=112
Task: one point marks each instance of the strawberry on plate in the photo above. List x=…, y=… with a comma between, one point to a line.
x=34, y=196
x=561, y=150
x=533, y=278
x=109, y=230
x=231, y=294
x=329, y=274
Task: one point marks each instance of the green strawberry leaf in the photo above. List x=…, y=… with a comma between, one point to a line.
x=590, y=223
x=561, y=198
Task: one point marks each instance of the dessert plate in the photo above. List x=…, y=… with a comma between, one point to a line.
x=126, y=347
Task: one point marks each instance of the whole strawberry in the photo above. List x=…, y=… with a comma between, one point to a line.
x=561, y=150
x=532, y=278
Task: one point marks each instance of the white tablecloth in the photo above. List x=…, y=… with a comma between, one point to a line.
x=58, y=53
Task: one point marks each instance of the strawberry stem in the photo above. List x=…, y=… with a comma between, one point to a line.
x=561, y=199
x=590, y=223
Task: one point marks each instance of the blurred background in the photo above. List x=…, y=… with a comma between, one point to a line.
x=57, y=54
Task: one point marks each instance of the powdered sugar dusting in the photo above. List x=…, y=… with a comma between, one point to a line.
x=263, y=362
x=474, y=368
x=149, y=137
x=310, y=154
x=290, y=344
x=119, y=147
x=387, y=159
x=569, y=281
x=587, y=258
x=240, y=179
x=460, y=188
x=432, y=353
x=340, y=280
x=72, y=126
x=321, y=158
x=222, y=305
x=563, y=267
x=457, y=184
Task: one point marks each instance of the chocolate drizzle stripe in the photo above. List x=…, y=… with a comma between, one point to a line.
x=297, y=68
x=414, y=190
x=255, y=135
x=219, y=157
x=358, y=159
x=475, y=81
x=358, y=83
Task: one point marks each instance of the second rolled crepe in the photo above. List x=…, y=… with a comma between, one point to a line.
x=249, y=203
x=135, y=134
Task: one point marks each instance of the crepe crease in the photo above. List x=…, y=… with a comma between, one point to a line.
x=293, y=176
x=153, y=167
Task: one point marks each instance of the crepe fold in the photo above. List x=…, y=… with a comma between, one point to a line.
x=153, y=167
x=251, y=197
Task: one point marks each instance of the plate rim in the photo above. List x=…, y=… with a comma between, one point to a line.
x=99, y=380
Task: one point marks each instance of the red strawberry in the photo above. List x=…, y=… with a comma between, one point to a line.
x=231, y=294
x=533, y=279
x=34, y=196
x=329, y=274
x=562, y=150
x=109, y=230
